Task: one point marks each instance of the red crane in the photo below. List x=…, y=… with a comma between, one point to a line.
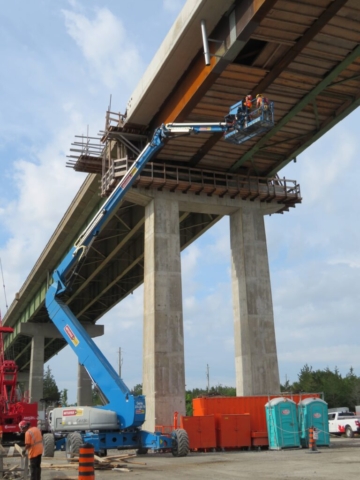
x=13, y=407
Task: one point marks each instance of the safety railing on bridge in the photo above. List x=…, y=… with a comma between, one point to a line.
x=185, y=179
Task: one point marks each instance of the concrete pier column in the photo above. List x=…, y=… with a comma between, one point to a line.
x=23, y=379
x=36, y=368
x=39, y=332
x=84, y=389
x=163, y=353
x=256, y=362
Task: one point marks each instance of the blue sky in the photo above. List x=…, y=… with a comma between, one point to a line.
x=60, y=63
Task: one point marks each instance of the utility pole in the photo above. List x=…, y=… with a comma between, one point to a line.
x=120, y=362
x=208, y=377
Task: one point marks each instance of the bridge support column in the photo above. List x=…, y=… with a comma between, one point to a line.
x=40, y=331
x=23, y=379
x=84, y=389
x=163, y=353
x=256, y=362
x=36, y=368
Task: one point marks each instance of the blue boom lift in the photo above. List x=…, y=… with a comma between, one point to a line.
x=117, y=424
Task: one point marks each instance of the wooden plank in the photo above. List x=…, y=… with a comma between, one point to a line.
x=298, y=7
x=11, y=452
x=19, y=449
x=66, y=478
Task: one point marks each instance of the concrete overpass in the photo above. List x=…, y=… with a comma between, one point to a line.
x=303, y=55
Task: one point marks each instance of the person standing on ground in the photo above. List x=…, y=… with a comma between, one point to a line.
x=34, y=448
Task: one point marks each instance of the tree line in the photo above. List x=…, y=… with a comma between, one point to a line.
x=338, y=390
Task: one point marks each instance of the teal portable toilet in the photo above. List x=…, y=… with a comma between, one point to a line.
x=282, y=423
x=313, y=412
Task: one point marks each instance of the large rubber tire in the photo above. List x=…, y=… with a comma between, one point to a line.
x=348, y=432
x=49, y=445
x=142, y=451
x=180, y=443
x=73, y=442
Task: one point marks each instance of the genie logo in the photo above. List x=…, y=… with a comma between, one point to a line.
x=75, y=412
x=69, y=413
x=285, y=411
x=71, y=335
x=317, y=415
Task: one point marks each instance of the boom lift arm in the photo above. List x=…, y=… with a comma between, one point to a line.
x=129, y=409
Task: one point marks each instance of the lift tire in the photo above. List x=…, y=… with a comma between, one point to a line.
x=73, y=442
x=49, y=445
x=348, y=432
x=180, y=443
x=142, y=451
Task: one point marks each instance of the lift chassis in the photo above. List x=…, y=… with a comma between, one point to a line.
x=117, y=424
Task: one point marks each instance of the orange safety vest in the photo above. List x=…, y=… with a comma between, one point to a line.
x=248, y=102
x=33, y=438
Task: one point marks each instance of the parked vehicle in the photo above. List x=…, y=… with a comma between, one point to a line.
x=344, y=423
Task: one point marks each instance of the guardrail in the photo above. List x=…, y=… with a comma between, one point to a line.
x=178, y=178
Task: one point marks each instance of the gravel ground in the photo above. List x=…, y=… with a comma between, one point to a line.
x=341, y=460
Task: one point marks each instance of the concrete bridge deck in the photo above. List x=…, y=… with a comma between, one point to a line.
x=302, y=55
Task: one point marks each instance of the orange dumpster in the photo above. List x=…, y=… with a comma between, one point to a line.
x=233, y=431
x=201, y=431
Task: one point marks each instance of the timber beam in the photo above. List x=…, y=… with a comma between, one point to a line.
x=326, y=126
x=310, y=97
x=234, y=30
x=299, y=46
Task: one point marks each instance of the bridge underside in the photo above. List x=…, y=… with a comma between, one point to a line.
x=302, y=55
x=113, y=269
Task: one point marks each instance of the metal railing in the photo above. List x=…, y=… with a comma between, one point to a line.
x=178, y=178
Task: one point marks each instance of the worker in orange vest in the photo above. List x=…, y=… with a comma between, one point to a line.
x=248, y=105
x=248, y=102
x=33, y=447
x=262, y=101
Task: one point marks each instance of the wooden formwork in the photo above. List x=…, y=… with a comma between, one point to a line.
x=18, y=471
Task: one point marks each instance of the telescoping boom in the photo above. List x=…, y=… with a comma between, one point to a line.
x=239, y=125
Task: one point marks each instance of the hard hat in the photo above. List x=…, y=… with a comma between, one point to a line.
x=23, y=425
x=259, y=95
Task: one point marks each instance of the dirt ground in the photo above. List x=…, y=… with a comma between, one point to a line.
x=340, y=460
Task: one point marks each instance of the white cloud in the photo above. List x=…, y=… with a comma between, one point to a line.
x=190, y=258
x=43, y=189
x=106, y=46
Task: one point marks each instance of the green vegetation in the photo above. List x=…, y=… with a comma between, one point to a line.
x=51, y=391
x=338, y=391
x=219, y=390
x=96, y=397
x=64, y=397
